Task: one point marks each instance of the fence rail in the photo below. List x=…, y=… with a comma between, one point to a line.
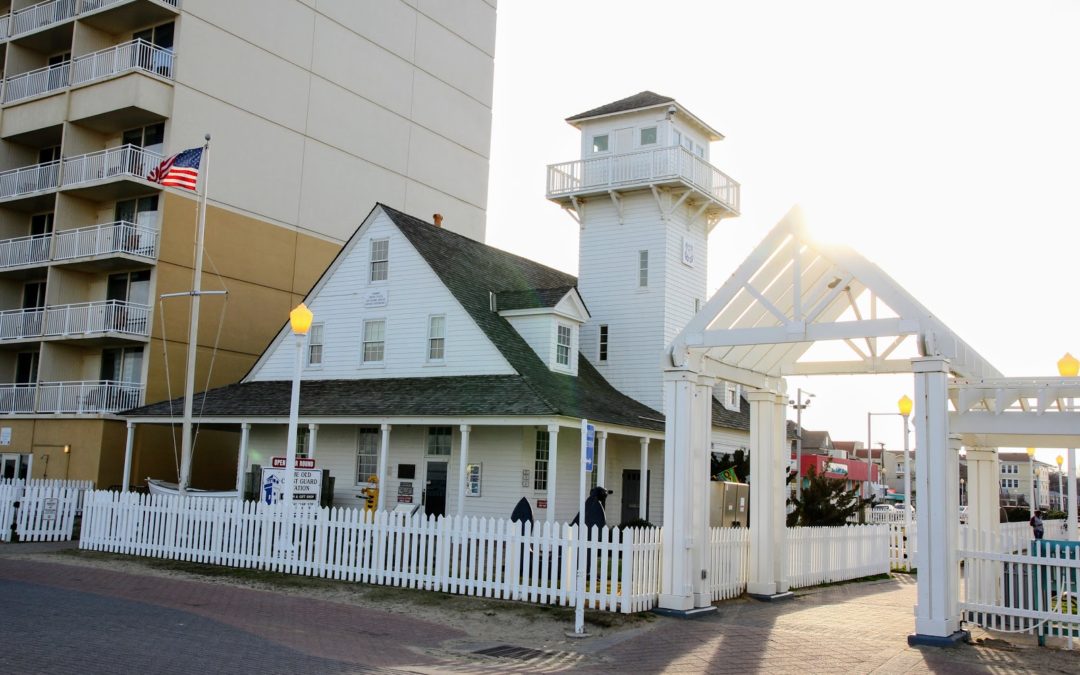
x=821, y=555
x=25, y=250
x=125, y=160
x=471, y=556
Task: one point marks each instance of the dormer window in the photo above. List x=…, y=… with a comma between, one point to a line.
x=600, y=143
x=380, y=259
x=562, y=346
x=648, y=136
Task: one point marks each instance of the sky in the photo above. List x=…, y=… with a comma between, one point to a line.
x=939, y=140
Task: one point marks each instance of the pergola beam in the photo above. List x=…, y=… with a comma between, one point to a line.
x=800, y=332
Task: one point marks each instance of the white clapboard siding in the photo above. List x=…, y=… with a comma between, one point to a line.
x=684, y=283
x=486, y=557
x=344, y=299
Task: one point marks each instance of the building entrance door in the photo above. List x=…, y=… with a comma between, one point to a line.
x=435, y=488
x=14, y=466
x=631, y=491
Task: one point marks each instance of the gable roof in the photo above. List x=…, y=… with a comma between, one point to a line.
x=642, y=99
x=729, y=419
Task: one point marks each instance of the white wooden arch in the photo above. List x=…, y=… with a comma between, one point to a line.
x=790, y=293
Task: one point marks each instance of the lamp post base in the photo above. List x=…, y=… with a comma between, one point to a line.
x=957, y=638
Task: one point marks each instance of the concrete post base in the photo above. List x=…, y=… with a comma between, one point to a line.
x=694, y=613
x=766, y=597
x=957, y=638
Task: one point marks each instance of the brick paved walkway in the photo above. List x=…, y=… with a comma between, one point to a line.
x=60, y=618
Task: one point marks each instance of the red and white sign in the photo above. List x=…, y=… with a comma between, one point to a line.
x=541, y=503
x=301, y=463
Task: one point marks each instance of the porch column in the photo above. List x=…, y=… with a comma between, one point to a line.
x=241, y=458
x=552, y=470
x=601, y=458
x=643, y=484
x=676, y=538
x=466, y=430
x=384, y=451
x=699, y=488
x=128, y=447
x=983, y=490
x=313, y=433
x=937, y=612
x=767, y=464
x=782, y=459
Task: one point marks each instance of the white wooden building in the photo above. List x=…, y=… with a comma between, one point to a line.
x=434, y=358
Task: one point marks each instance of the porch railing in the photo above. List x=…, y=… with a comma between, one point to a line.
x=25, y=250
x=94, y=396
x=41, y=15
x=106, y=239
x=87, y=318
x=643, y=166
x=17, y=398
x=126, y=160
x=29, y=179
x=134, y=55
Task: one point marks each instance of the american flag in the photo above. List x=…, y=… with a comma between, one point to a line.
x=180, y=170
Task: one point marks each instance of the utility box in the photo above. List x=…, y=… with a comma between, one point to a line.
x=729, y=504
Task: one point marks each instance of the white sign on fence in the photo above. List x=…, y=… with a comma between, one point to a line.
x=307, y=486
x=48, y=511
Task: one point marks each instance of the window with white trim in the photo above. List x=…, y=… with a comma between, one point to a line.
x=367, y=453
x=600, y=143
x=540, y=465
x=603, y=351
x=643, y=269
x=374, y=348
x=380, y=259
x=562, y=345
x=315, y=345
x=303, y=441
x=439, y=441
x=436, y=338
x=648, y=136
x=676, y=138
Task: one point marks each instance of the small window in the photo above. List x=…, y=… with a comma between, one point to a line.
x=699, y=151
x=406, y=471
x=676, y=138
x=374, y=341
x=436, y=338
x=543, y=443
x=438, y=441
x=688, y=144
x=603, y=342
x=643, y=269
x=562, y=346
x=697, y=305
x=367, y=453
x=315, y=345
x=303, y=441
x=648, y=136
x=731, y=391
x=600, y=143
x=380, y=259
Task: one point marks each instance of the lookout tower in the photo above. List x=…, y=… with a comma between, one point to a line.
x=646, y=198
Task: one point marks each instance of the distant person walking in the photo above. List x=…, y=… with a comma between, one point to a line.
x=1036, y=523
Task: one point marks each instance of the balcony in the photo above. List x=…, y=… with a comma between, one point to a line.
x=87, y=397
x=36, y=82
x=25, y=251
x=123, y=16
x=103, y=246
x=40, y=16
x=106, y=321
x=29, y=180
x=107, y=174
x=670, y=166
x=5, y=26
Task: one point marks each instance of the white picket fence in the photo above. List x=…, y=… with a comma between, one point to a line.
x=729, y=561
x=1016, y=587
x=46, y=511
x=1011, y=538
x=486, y=557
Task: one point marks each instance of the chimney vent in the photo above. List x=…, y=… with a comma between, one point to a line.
x=438, y=219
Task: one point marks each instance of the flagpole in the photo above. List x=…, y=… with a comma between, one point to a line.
x=193, y=330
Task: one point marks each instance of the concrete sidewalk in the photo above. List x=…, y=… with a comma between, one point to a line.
x=854, y=628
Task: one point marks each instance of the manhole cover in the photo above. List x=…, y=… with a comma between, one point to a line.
x=512, y=652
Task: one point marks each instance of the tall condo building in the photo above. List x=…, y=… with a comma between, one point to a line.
x=317, y=109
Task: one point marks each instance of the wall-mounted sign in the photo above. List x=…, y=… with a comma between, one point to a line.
x=404, y=488
x=5, y=435
x=404, y=499
x=541, y=503
x=301, y=463
x=377, y=298
x=833, y=467
x=687, y=252
x=307, y=485
x=525, y=478
x=472, y=479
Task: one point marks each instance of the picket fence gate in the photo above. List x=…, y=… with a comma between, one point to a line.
x=488, y=557
x=46, y=508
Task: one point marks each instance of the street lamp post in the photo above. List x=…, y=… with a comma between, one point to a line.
x=1031, y=470
x=904, y=404
x=799, y=404
x=1068, y=366
x=1061, y=485
x=300, y=320
x=962, y=502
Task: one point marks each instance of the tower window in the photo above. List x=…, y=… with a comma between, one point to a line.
x=648, y=136
x=600, y=143
x=643, y=269
x=603, y=342
x=436, y=338
x=380, y=259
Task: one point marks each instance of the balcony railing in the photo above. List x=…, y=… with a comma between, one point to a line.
x=83, y=319
x=644, y=166
x=41, y=15
x=29, y=179
x=92, y=5
x=126, y=160
x=107, y=239
x=134, y=55
x=95, y=396
x=36, y=82
x=90, y=318
x=5, y=24
x=25, y=250
x=17, y=398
